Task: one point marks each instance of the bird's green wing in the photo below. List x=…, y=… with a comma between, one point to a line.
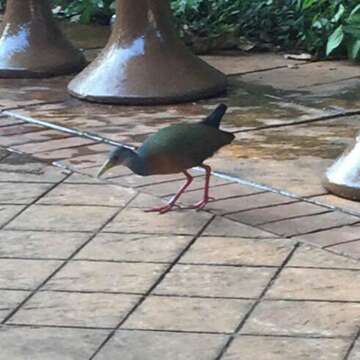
x=182, y=146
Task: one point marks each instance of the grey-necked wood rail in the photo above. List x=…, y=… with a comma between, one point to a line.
x=175, y=149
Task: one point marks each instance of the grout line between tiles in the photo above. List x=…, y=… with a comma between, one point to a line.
x=34, y=201
x=18, y=325
x=294, y=217
x=150, y=290
x=352, y=345
x=257, y=302
x=295, y=336
x=341, y=243
x=39, y=287
x=329, y=116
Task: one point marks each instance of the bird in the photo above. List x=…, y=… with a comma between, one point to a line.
x=175, y=149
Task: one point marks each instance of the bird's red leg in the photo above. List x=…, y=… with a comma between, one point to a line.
x=206, y=198
x=171, y=203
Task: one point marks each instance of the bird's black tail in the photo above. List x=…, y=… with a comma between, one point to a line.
x=215, y=117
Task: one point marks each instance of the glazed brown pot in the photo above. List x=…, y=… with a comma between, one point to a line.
x=145, y=62
x=31, y=44
x=343, y=177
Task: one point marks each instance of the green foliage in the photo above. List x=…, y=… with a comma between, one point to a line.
x=322, y=27
x=347, y=33
x=208, y=18
x=86, y=10
x=332, y=27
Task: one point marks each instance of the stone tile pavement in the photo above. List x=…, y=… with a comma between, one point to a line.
x=269, y=270
x=85, y=274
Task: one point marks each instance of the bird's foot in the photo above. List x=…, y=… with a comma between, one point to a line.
x=162, y=209
x=201, y=204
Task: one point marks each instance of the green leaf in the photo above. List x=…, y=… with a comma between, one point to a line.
x=354, y=20
x=355, y=10
x=354, y=50
x=335, y=39
x=352, y=30
x=339, y=14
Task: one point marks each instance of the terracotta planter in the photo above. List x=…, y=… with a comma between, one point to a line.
x=31, y=45
x=343, y=177
x=145, y=62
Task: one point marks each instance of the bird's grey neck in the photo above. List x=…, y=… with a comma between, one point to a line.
x=135, y=163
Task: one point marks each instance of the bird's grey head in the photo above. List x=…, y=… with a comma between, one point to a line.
x=117, y=156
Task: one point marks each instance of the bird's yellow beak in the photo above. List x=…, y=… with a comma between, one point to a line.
x=107, y=166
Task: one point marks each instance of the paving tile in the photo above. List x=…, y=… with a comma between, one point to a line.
x=37, y=135
x=115, y=174
x=279, y=212
x=225, y=227
x=86, y=36
x=81, y=178
x=355, y=353
x=331, y=237
x=26, y=169
x=109, y=277
x=317, y=284
x=218, y=192
x=282, y=348
x=9, y=121
x=134, y=180
x=172, y=187
x=82, y=194
x=248, y=62
x=351, y=249
x=75, y=309
x=246, y=203
x=304, y=318
x=134, y=247
x=188, y=314
x=337, y=201
x=53, y=145
x=308, y=256
x=162, y=345
x=23, y=193
x=175, y=222
x=8, y=301
x=70, y=153
x=19, y=129
x=311, y=147
x=7, y=212
x=25, y=274
x=35, y=244
x=303, y=76
x=62, y=218
x=237, y=251
x=215, y=281
x=49, y=343
x=87, y=164
x=307, y=224
x=3, y=152
x=20, y=92
x=146, y=201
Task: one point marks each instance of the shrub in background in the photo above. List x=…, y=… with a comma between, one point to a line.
x=322, y=27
